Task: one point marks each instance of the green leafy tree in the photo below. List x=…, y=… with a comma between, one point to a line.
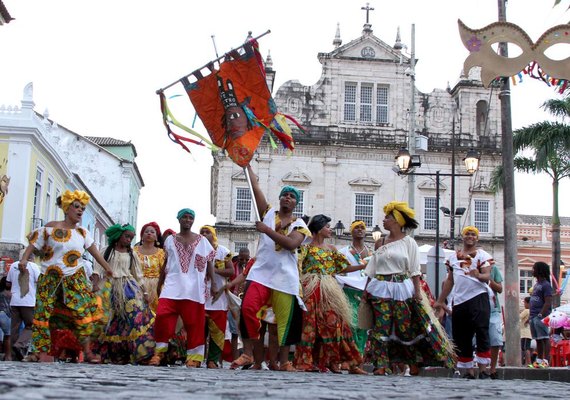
x=544, y=147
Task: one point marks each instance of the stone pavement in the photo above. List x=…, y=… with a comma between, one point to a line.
x=83, y=381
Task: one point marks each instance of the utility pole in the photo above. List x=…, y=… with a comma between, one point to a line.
x=512, y=300
x=412, y=132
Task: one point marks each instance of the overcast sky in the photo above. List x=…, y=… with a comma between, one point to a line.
x=97, y=64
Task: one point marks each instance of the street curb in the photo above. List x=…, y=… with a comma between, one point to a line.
x=509, y=373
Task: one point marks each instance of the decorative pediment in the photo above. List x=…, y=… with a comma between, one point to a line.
x=429, y=184
x=239, y=176
x=365, y=182
x=481, y=186
x=296, y=178
x=367, y=47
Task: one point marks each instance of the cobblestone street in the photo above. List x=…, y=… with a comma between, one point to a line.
x=72, y=381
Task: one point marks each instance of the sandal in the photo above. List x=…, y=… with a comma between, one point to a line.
x=156, y=360
x=287, y=367
x=92, y=358
x=356, y=370
x=32, y=357
x=192, y=363
x=211, y=365
x=335, y=369
x=242, y=361
x=380, y=371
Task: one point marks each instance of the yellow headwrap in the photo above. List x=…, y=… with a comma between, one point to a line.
x=214, y=236
x=357, y=223
x=68, y=197
x=470, y=228
x=397, y=208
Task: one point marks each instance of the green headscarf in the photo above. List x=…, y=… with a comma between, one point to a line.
x=114, y=232
x=291, y=189
x=185, y=211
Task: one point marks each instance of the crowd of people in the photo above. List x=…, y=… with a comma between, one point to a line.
x=181, y=297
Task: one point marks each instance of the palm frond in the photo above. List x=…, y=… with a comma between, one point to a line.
x=497, y=182
x=558, y=107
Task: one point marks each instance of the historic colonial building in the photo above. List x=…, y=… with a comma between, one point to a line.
x=40, y=159
x=357, y=117
x=534, y=234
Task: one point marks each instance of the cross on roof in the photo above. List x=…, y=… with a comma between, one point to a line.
x=368, y=9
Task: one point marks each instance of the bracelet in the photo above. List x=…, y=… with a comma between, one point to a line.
x=146, y=293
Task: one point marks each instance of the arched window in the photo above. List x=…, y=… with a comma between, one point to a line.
x=481, y=121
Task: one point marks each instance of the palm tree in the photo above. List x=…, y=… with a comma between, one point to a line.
x=547, y=149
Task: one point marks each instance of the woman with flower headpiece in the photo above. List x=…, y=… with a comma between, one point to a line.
x=326, y=340
x=405, y=330
x=151, y=256
x=127, y=338
x=64, y=299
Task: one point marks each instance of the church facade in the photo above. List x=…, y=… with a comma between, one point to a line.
x=357, y=117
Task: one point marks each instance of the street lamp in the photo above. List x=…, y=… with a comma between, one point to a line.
x=339, y=228
x=376, y=233
x=471, y=164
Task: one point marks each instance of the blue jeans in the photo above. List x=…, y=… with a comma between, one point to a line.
x=5, y=323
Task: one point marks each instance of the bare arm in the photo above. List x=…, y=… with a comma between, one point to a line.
x=228, y=270
x=211, y=276
x=290, y=242
x=417, y=288
x=99, y=258
x=25, y=257
x=483, y=276
x=497, y=287
x=546, y=305
x=259, y=196
x=445, y=291
x=352, y=268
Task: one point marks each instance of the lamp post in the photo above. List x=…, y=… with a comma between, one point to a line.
x=471, y=165
x=376, y=233
x=339, y=228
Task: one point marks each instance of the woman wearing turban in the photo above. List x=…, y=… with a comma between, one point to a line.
x=64, y=299
x=326, y=323
x=403, y=331
x=128, y=335
x=151, y=256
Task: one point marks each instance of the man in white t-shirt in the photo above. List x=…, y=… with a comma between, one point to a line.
x=22, y=283
x=469, y=271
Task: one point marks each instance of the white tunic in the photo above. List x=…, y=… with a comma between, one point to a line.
x=466, y=287
x=186, y=269
x=222, y=253
x=277, y=269
x=355, y=279
x=398, y=257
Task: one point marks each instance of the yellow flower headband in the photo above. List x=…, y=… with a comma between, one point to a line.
x=397, y=209
x=68, y=197
x=470, y=228
x=357, y=223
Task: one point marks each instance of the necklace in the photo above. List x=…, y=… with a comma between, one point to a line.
x=364, y=250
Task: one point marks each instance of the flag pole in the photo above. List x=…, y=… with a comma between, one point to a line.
x=209, y=63
x=248, y=179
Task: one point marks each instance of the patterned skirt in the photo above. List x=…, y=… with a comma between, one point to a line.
x=405, y=330
x=63, y=303
x=128, y=335
x=326, y=339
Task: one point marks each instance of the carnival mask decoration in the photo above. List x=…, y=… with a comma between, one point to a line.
x=234, y=120
x=479, y=43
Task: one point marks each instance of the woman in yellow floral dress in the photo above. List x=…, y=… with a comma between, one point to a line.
x=64, y=299
x=152, y=257
x=326, y=340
